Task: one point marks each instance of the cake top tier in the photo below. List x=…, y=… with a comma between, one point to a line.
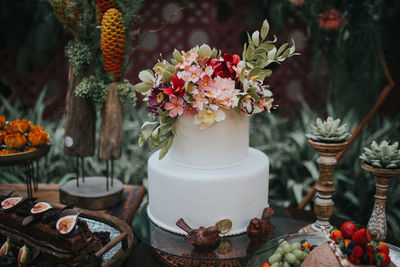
x=204, y=82
x=222, y=145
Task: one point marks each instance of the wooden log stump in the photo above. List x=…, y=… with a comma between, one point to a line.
x=80, y=121
x=111, y=125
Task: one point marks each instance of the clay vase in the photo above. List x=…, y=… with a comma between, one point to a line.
x=323, y=204
x=80, y=121
x=111, y=125
x=377, y=223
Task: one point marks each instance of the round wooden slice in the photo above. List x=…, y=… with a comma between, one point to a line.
x=92, y=193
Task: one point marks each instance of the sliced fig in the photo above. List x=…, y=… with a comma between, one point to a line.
x=5, y=248
x=66, y=224
x=11, y=202
x=23, y=256
x=40, y=207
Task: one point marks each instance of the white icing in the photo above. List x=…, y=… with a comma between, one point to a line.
x=202, y=197
x=223, y=144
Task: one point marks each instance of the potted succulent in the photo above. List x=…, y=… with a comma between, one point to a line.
x=383, y=161
x=328, y=138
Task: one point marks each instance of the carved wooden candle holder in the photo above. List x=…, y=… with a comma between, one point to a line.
x=323, y=204
x=377, y=223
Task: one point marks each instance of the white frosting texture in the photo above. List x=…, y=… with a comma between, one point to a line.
x=203, y=197
x=223, y=144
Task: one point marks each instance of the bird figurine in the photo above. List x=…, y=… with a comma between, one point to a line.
x=202, y=238
x=258, y=229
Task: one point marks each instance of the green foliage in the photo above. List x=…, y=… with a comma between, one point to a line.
x=93, y=90
x=79, y=56
x=293, y=166
x=58, y=168
x=352, y=54
x=127, y=92
x=329, y=131
x=383, y=155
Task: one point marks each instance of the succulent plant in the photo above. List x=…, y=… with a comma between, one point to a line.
x=329, y=131
x=383, y=156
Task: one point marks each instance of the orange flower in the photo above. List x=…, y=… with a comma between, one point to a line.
x=3, y=134
x=331, y=20
x=4, y=152
x=2, y=121
x=19, y=126
x=36, y=128
x=15, y=140
x=38, y=138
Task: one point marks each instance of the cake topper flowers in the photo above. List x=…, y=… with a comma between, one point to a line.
x=204, y=83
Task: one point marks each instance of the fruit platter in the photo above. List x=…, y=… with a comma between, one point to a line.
x=47, y=234
x=348, y=246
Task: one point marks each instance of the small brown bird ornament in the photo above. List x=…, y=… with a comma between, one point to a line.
x=259, y=229
x=202, y=238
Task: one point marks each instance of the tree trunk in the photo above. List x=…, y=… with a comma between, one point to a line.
x=80, y=121
x=111, y=125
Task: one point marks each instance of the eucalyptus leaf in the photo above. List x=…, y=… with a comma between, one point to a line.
x=142, y=87
x=146, y=76
x=264, y=29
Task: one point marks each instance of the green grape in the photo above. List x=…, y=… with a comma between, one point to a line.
x=296, y=245
x=281, y=240
x=276, y=264
x=297, y=263
x=290, y=257
x=287, y=248
x=275, y=258
x=298, y=253
x=283, y=243
x=306, y=250
x=279, y=250
x=303, y=256
x=286, y=264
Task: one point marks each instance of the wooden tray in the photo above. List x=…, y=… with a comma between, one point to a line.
x=124, y=238
x=23, y=157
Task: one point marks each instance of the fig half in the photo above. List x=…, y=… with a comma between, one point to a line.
x=66, y=224
x=23, y=256
x=11, y=202
x=5, y=248
x=40, y=207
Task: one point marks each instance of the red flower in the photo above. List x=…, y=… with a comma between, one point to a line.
x=231, y=59
x=220, y=69
x=178, y=87
x=331, y=20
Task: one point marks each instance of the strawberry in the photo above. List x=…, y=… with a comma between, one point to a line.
x=370, y=258
x=354, y=260
x=266, y=264
x=357, y=252
x=348, y=229
x=382, y=247
x=382, y=259
x=362, y=237
x=306, y=244
x=371, y=247
x=336, y=234
x=347, y=242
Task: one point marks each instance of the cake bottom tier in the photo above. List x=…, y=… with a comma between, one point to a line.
x=204, y=197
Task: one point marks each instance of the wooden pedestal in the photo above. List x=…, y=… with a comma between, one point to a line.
x=92, y=193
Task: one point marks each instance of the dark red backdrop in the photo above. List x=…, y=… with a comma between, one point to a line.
x=198, y=23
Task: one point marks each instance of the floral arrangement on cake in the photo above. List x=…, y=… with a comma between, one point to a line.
x=204, y=83
x=20, y=136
